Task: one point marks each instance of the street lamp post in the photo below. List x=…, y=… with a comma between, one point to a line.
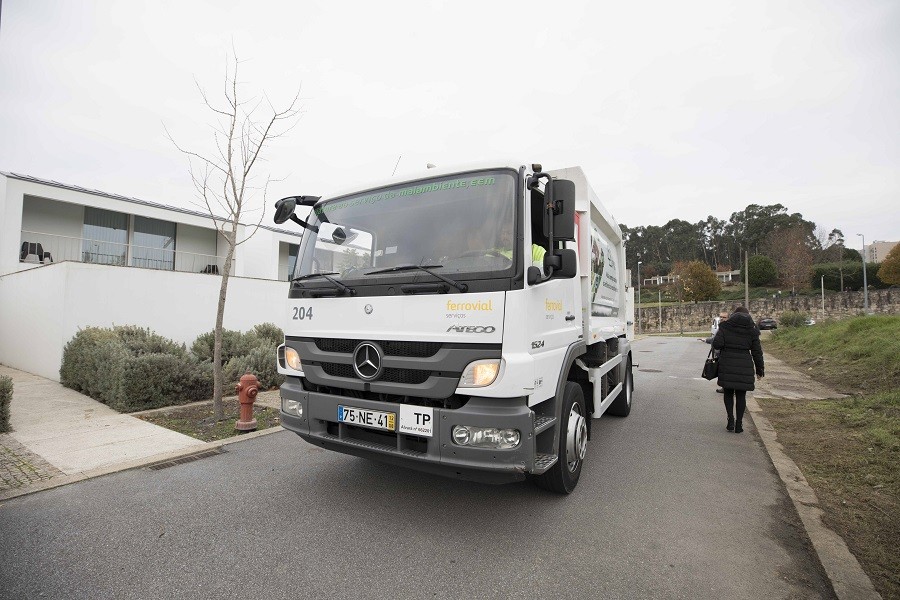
x=865, y=281
x=823, y=296
x=639, y=294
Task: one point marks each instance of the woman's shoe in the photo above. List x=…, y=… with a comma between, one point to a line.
x=738, y=428
x=730, y=426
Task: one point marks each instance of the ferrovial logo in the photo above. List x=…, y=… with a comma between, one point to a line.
x=553, y=304
x=476, y=305
x=472, y=328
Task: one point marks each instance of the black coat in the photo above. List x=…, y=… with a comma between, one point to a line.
x=740, y=353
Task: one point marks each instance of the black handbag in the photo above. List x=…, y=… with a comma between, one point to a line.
x=711, y=366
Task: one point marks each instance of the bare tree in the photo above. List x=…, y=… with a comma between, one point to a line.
x=226, y=179
x=789, y=248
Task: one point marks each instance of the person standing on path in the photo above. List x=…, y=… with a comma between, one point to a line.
x=740, y=356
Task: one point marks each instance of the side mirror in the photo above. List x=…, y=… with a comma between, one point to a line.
x=284, y=208
x=567, y=261
x=563, y=196
x=534, y=275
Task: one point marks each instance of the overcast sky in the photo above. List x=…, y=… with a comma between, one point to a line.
x=674, y=109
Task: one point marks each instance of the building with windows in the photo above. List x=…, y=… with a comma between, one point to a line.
x=71, y=257
x=877, y=250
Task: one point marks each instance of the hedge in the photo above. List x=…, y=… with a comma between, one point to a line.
x=156, y=380
x=792, y=318
x=6, y=392
x=131, y=368
x=250, y=352
x=233, y=344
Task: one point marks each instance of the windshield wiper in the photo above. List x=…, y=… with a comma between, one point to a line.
x=308, y=275
x=462, y=287
x=343, y=288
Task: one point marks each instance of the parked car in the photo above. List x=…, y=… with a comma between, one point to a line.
x=810, y=321
x=767, y=323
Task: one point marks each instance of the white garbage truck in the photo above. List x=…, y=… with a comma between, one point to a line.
x=468, y=322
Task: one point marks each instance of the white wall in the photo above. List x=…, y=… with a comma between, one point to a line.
x=10, y=224
x=49, y=216
x=260, y=255
x=63, y=222
x=283, y=249
x=194, y=240
x=42, y=308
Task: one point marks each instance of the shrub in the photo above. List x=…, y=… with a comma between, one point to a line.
x=266, y=333
x=141, y=341
x=93, y=362
x=792, y=318
x=233, y=344
x=130, y=368
x=6, y=392
x=261, y=362
x=155, y=380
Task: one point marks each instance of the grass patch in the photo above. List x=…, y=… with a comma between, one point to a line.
x=196, y=420
x=849, y=451
x=859, y=355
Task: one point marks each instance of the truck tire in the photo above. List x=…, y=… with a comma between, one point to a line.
x=621, y=406
x=563, y=476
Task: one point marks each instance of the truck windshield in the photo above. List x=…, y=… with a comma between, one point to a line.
x=454, y=224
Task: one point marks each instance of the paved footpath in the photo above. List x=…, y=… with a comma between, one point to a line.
x=57, y=431
x=20, y=467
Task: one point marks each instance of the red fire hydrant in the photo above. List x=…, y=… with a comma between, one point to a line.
x=247, y=390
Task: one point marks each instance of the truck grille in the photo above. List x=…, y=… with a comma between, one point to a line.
x=391, y=348
x=407, y=376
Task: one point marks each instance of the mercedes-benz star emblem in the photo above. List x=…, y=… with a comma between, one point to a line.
x=368, y=309
x=367, y=361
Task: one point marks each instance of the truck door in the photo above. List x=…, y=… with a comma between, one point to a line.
x=555, y=321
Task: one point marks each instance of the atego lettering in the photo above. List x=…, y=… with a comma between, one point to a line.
x=472, y=329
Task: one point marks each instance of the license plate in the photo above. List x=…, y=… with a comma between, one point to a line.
x=367, y=418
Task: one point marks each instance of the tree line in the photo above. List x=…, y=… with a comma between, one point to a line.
x=793, y=243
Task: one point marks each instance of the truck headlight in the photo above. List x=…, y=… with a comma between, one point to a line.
x=292, y=358
x=486, y=437
x=480, y=373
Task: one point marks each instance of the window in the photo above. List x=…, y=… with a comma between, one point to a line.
x=105, y=237
x=293, y=250
x=153, y=246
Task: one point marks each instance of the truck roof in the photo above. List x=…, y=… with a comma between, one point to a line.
x=425, y=174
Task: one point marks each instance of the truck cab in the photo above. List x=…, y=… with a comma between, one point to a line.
x=468, y=322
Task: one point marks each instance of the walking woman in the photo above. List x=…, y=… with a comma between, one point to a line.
x=740, y=356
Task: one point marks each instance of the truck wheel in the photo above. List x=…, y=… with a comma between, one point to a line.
x=563, y=476
x=621, y=406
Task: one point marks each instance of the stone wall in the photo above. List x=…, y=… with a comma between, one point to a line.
x=698, y=316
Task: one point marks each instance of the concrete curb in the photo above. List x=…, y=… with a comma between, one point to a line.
x=847, y=577
x=133, y=464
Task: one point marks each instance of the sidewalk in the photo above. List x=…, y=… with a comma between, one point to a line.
x=57, y=431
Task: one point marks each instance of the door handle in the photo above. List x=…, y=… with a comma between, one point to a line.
x=570, y=318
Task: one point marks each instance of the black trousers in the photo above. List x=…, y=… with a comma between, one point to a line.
x=741, y=403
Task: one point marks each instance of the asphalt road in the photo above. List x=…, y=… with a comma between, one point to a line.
x=670, y=505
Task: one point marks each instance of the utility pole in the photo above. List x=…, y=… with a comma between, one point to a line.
x=639, y=295
x=659, y=293
x=746, y=280
x=865, y=283
x=823, y=296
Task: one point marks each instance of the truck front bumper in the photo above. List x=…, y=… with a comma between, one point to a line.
x=437, y=454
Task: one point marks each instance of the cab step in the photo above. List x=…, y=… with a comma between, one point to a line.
x=542, y=423
x=542, y=462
